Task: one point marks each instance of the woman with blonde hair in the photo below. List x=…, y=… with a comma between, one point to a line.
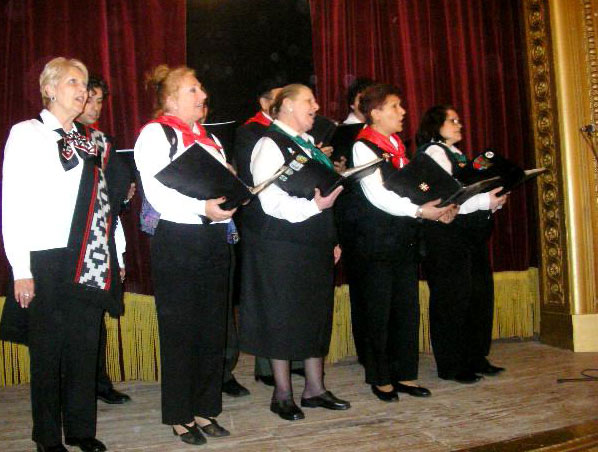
x=190, y=260
x=287, y=283
x=62, y=258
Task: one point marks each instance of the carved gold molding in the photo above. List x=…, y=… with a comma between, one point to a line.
x=553, y=276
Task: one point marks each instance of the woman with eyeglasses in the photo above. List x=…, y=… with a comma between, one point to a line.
x=457, y=263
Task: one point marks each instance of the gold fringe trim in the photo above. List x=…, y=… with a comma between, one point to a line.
x=133, y=349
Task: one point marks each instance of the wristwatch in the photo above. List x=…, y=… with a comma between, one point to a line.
x=419, y=213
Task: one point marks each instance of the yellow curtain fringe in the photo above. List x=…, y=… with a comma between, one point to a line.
x=133, y=349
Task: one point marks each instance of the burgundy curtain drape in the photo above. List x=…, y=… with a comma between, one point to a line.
x=118, y=39
x=469, y=53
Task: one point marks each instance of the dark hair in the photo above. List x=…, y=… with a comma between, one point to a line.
x=430, y=124
x=97, y=81
x=374, y=97
x=358, y=86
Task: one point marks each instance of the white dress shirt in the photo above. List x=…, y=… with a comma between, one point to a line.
x=480, y=201
x=266, y=159
x=352, y=119
x=152, y=151
x=373, y=187
x=38, y=195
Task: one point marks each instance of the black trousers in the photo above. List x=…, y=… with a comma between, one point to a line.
x=390, y=310
x=459, y=275
x=190, y=269
x=63, y=346
x=231, y=353
x=354, y=266
x=104, y=384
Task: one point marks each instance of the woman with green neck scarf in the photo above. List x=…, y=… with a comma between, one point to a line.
x=287, y=287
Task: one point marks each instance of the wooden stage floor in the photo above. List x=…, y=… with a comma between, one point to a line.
x=521, y=403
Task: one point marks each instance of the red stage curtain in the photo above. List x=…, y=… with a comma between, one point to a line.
x=469, y=53
x=118, y=39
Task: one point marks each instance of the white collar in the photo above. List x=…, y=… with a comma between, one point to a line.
x=292, y=132
x=352, y=119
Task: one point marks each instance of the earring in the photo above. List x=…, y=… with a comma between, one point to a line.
x=290, y=109
x=52, y=98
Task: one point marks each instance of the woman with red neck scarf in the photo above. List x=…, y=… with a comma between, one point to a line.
x=190, y=261
x=384, y=242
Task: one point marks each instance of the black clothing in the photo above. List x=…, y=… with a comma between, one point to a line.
x=287, y=287
x=190, y=270
x=245, y=139
x=459, y=275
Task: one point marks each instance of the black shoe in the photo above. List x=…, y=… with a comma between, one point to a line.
x=489, y=370
x=214, y=429
x=191, y=436
x=86, y=444
x=287, y=409
x=466, y=378
x=391, y=396
x=234, y=389
x=300, y=372
x=415, y=391
x=268, y=380
x=326, y=400
x=56, y=448
x=113, y=397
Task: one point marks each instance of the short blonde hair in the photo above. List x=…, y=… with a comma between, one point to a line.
x=54, y=70
x=286, y=92
x=165, y=82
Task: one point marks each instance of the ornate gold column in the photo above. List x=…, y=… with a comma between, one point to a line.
x=563, y=75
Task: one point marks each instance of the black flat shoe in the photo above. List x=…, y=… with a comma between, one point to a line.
x=191, y=436
x=287, y=409
x=113, y=397
x=489, y=370
x=467, y=378
x=55, y=448
x=325, y=400
x=234, y=389
x=268, y=380
x=86, y=444
x=391, y=396
x=214, y=429
x=415, y=391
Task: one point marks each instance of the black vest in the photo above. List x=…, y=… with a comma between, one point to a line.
x=318, y=230
x=368, y=230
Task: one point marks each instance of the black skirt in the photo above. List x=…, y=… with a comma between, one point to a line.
x=287, y=299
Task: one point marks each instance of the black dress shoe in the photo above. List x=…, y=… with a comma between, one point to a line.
x=268, y=380
x=55, y=448
x=214, y=429
x=415, y=391
x=86, y=444
x=113, y=397
x=191, y=436
x=287, y=409
x=467, y=378
x=489, y=370
x=234, y=389
x=391, y=396
x=326, y=400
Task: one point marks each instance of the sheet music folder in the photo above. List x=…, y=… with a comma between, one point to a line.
x=423, y=180
x=303, y=175
x=198, y=174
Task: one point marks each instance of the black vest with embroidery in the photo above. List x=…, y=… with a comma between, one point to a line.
x=370, y=230
x=318, y=230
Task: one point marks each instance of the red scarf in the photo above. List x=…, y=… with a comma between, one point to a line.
x=399, y=158
x=260, y=118
x=189, y=137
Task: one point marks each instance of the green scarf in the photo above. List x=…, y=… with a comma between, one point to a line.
x=316, y=153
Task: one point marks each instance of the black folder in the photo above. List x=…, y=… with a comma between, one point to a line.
x=490, y=164
x=196, y=173
x=304, y=175
x=423, y=180
x=322, y=130
x=342, y=141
